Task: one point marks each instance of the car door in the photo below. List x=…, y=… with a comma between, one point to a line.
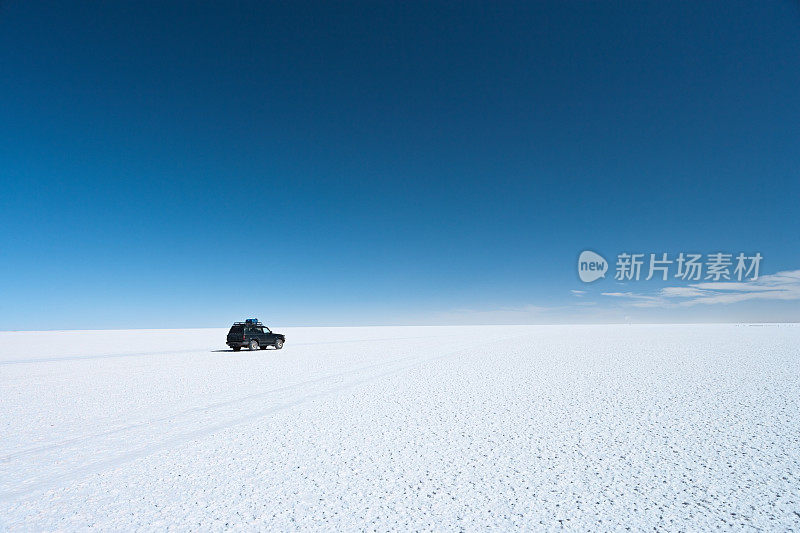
x=262, y=337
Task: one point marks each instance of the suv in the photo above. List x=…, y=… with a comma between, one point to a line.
x=254, y=335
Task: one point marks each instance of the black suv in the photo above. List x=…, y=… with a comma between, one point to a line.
x=254, y=335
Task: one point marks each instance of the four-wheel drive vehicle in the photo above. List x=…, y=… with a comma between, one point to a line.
x=253, y=335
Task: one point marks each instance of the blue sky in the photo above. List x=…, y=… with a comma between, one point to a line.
x=177, y=165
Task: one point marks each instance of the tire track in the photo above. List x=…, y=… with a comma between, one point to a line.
x=68, y=460
x=56, y=359
x=216, y=405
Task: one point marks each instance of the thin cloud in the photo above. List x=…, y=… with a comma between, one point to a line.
x=780, y=286
x=681, y=292
x=631, y=295
x=639, y=300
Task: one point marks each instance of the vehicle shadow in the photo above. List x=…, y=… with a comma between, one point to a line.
x=242, y=350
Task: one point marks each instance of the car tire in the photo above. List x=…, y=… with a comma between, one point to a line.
x=236, y=348
x=278, y=344
x=253, y=345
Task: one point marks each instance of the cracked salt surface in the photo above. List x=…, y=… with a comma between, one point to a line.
x=432, y=428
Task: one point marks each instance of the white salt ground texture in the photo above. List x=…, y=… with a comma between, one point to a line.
x=403, y=428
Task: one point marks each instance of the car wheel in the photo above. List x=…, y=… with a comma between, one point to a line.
x=278, y=344
x=253, y=344
x=236, y=348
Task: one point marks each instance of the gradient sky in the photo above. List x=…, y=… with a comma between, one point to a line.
x=171, y=164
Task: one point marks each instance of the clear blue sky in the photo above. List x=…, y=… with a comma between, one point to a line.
x=171, y=164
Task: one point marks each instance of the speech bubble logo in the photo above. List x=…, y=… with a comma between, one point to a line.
x=591, y=266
